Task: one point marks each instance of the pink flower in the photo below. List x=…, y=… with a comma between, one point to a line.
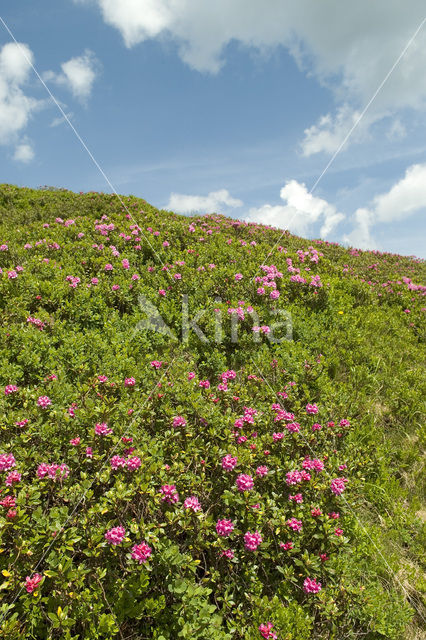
x=338, y=532
x=274, y=295
x=129, y=382
x=224, y=527
x=286, y=545
x=293, y=427
x=102, y=379
x=32, y=583
x=170, y=494
x=44, y=402
x=7, y=461
x=10, y=388
x=133, y=463
x=108, y=267
x=238, y=277
x=102, y=429
x=75, y=441
x=316, y=426
x=13, y=477
x=266, y=631
x=293, y=477
x=338, y=485
x=117, y=462
x=227, y=553
x=204, y=383
x=115, y=535
x=310, y=585
x=244, y=482
x=262, y=471
x=115, y=287
x=277, y=436
x=297, y=498
x=192, y=503
x=179, y=421
x=294, y=524
x=125, y=264
x=311, y=409
x=12, y=274
x=316, y=512
x=252, y=540
x=141, y=552
x=191, y=375
x=228, y=462
x=89, y=452
x=156, y=364
x=94, y=281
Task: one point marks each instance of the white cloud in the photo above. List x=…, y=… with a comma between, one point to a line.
x=301, y=211
x=349, y=47
x=15, y=106
x=78, y=74
x=23, y=153
x=405, y=198
x=214, y=202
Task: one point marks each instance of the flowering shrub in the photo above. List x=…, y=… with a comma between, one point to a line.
x=154, y=484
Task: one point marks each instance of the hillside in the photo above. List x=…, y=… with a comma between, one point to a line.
x=173, y=463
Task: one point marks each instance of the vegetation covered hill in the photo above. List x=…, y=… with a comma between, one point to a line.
x=173, y=463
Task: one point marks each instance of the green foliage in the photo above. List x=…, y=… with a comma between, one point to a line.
x=355, y=349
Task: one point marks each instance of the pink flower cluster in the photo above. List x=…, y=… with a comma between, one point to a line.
x=32, y=583
x=117, y=462
x=179, y=421
x=266, y=631
x=224, y=527
x=338, y=485
x=192, y=503
x=115, y=535
x=310, y=585
x=7, y=461
x=252, y=540
x=102, y=429
x=53, y=471
x=10, y=388
x=229, y=462
x=170, y=495
x=244, y=482
x=141, y=552
x=44, y=402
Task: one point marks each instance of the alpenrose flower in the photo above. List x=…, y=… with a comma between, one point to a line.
x=141, y=552
x=252, y=540
x=7, y=461
x=170, y=494
x=338, y=485
x=192, y=503
x=266, y=631
x=115, y=535
x=32, y=583
x=229, y=462
x=244, y=482
x=224, y=527
x=310, y=585
x=44, y=402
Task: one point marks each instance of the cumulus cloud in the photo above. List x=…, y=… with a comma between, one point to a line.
x=78, y=75
x=349, y=47
x=16, y=107
x=23, y=153
x=405, y=198
x=299, y=213
x=214, y=202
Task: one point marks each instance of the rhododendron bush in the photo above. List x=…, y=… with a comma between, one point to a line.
x=174, y=462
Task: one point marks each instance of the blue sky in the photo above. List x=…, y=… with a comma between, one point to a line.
x=232, y=106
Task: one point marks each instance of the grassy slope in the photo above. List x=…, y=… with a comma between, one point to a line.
x=371, y=372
